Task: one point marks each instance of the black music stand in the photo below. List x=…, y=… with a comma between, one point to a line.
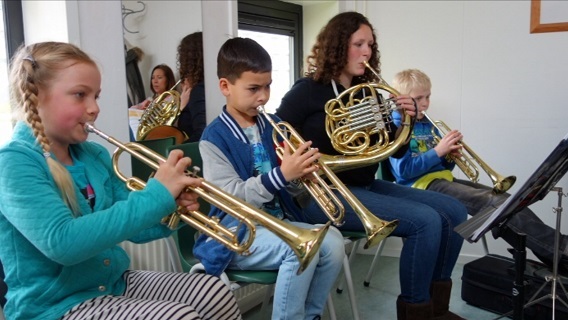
x=542, y=181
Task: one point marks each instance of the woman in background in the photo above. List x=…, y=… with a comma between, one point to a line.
x=162, y=80
x=192, y=119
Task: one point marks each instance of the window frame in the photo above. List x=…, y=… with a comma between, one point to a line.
x=277, y=17
x=13, y=26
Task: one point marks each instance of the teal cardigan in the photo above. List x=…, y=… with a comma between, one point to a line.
x=53, y=261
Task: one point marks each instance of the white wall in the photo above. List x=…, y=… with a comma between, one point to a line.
x=160, y=28
x=503, y=87
x=95, y=26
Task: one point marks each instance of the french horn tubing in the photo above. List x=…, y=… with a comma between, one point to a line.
x=358, y=123
x=469, y=162
x=375, y=228
x=160, y=116
x=305, y=243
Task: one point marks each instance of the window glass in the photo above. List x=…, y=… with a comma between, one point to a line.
x=5, y=114
x=279, y=47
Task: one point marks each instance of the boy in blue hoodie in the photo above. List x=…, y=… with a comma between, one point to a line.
x=239, y=156
x=426, y=166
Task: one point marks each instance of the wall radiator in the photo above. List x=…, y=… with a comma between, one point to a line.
x=154, y=256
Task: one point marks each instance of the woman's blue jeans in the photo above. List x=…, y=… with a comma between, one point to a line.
x=295, y=296
x=426, y=220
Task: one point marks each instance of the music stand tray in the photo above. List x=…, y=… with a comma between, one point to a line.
x=542, y=181
x=534, y=189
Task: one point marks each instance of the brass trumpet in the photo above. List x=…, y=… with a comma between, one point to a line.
x=319, y=189
x=305, y=243
x=469, y=161
x=375, y=228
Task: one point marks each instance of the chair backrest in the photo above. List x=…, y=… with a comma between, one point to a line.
x=186, y=235
x=140, y=169
x=191, y=149
x=3, y=287
x=384, y=171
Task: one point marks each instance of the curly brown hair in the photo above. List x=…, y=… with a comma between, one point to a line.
x=190, y=58
x=329, y=53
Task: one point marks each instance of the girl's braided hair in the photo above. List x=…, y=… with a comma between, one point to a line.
x=32, y=69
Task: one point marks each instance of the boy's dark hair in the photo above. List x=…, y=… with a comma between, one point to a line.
x=238, y=55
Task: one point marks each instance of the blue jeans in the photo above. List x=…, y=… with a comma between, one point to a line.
x=295, y=296
x=426, y=220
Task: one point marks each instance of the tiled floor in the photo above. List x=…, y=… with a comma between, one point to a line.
x=378, y=301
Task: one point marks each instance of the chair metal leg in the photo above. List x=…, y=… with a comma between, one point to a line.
x=351, y=258
x=375, y=259
x=484, y=242
x=350, y=289
x=173, y=253
x=266, y=302
x=331, y=308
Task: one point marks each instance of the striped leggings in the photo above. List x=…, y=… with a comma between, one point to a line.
x=162, y=295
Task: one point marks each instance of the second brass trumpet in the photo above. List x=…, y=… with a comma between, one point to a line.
x=469, y=161
x=375, y=228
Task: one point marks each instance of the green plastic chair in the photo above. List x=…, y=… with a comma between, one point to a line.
x=139, y=168
x=143, y=172
x=187, y=234
x=186, y=240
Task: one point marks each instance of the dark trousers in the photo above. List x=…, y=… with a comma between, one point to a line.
x=477, y=198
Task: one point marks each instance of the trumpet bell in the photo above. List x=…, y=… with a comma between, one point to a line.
x=504, y=184
x=308, y=245
x=380, y=232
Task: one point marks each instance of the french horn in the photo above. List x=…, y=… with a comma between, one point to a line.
x=158, y=119
x=358, y=123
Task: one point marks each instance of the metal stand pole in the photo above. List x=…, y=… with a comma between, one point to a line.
x=554, y=277
x=518, y=290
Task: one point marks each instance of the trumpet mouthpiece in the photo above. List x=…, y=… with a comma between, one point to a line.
x=89, y=127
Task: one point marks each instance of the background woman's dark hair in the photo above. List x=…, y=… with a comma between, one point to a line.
x=329, y=53
x=169, y=76
x=239, y=55
x=190, y=58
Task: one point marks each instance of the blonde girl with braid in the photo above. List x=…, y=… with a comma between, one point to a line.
x=63, y=211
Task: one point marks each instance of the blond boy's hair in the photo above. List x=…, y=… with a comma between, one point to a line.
x=410, y=79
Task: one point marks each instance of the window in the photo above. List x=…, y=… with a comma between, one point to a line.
x=12, y=32
x=277, y=26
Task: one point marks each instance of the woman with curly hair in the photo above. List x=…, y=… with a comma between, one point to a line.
x=190, y=65
x=426, y=219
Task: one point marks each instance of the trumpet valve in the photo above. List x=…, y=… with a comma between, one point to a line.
x=172, y=220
